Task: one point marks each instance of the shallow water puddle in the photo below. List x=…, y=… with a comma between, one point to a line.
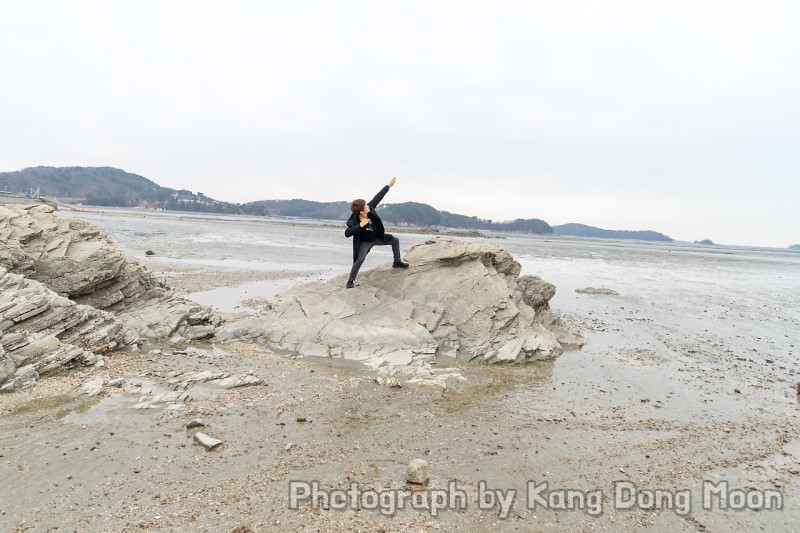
x=246, y=298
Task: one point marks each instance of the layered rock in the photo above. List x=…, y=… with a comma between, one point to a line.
x=68, y=294
x=43, y=333
x=457, y=299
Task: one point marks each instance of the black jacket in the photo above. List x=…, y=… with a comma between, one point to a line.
x=354, y=225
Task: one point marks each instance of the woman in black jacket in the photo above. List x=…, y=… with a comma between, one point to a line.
x=366, y=228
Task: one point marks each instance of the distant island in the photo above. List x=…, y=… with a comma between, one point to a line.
x=705, y=241
x=582, y=230
x=112, y=187
x=794, y=247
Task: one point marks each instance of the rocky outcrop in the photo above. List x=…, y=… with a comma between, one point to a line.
x=43, y=333
x=457, y=299
x=69, y=294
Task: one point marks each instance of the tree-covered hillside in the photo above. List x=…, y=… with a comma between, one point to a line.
x=402, y=214
x=107, y=186
x=298, y=208
x=94, y=185
x=582, y=230
x=416, y=214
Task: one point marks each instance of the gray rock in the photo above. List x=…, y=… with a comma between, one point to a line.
x=68, y=294
x=7, y=366
x=73, y=258
x=160, y=400
x=456, y=298
x=232, y=382
x=91, y=388
x=196, y=423
x=222, y=379
x=597, y=290
x=59, y=334
x=24, y=378
x=535, y=291
x=209, y=443
x=418, y=472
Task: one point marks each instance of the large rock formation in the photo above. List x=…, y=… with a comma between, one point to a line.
x=68, y=294
x=457, y=299
x=43, y=333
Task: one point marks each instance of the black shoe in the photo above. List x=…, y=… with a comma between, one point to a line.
x=350, y=284
x=399, y=264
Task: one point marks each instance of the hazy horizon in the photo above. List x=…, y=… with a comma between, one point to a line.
x=679, y=118
x=384, y=203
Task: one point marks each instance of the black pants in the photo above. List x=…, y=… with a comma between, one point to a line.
x=365, y=247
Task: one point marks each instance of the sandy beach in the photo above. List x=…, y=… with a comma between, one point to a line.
x=687, y=385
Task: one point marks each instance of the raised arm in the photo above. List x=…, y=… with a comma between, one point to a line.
x=378, y=197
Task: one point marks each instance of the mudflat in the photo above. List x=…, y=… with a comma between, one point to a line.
x=680, y=413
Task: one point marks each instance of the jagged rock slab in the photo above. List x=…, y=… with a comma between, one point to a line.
x=67, y=294
x=43, y=333
x=74, y=259
x=597, y=290
x=456, y=299
x=220, y=379
x=161, y=400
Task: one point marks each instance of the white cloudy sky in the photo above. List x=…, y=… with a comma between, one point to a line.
x=676, y=116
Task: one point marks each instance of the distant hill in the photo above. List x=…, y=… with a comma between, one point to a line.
x=581, y=230
x=93, y=185
x=402, y=214
x=298, y=208
x=706, y=242
x=107, y=186
x=416, y=214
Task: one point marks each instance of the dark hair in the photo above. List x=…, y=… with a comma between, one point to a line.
x=356, y=206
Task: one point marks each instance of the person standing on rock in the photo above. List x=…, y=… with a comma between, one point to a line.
x=366, y=229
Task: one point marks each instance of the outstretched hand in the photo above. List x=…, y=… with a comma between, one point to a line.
x=391, y=181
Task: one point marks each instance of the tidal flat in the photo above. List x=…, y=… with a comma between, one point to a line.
x=689, y=377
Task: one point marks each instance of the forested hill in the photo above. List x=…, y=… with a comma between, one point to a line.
x=107, y=186
x=402, y=214
x=416, y=214
x=299, y=208
x=581, y=230
x=91, y=185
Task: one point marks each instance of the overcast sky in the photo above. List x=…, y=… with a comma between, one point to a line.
x=681, y=117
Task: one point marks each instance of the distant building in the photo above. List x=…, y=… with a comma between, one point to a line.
x=185, y=196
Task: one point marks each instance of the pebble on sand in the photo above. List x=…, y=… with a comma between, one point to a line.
x=196, y=423
x=417, y=472
x=209, y=443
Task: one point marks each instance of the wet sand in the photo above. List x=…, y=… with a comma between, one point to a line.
x=689, y=376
